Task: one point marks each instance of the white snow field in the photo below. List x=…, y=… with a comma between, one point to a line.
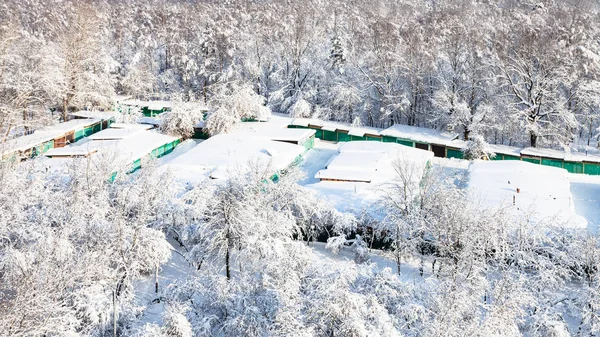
x=369, y=164
x=543, y=192
x=586, y=198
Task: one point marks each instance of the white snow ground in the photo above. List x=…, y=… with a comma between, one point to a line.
x=544, y=191
x=586, y=198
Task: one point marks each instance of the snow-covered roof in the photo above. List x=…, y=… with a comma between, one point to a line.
x=417, y=134
x=560, y=155
x=504, y=149
x=544, y=190
x=356, y=161
x=221, y=155
x=122, y=151
x=70, y=151
x=159, y=105
x=275, y=129
x=457, y=144
x=131, y=126
x=282, y=135
x=363, y=160
x=103, y=115
x=115, y=133
x=44, y=135
x=364, y=130
x=361, y=186
x=359, y=131
x=346, y=175
x=546, y=153
x=152, y=105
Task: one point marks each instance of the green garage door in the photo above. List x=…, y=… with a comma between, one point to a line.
x=454, y=153
x=573, y=167
x=405, y=142
x=357, y=138
x=552, y=162
x=532, y=160
x=343, y=137
x=592, y=168
x=329, y=136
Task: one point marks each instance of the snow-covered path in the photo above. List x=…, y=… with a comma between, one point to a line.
x=177, y=269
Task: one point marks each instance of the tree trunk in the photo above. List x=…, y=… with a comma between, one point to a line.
x=533, y=139
x=227, y=272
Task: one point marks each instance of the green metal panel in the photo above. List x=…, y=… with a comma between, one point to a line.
x=169, y=147
x=88, y=130
x=343, y=137
x=330, y=136
x=498, y=156
x=79, y=134
x=552, y=162
x=509, y=157
x=573, y=167
x=591, y=168
x=309, y=143
x=454, y=153
x=375, y=139
x=388, y=139
x=160, y=151
x=97, y=128
x=405, y=142
x=318, y=133
x=137, y=164
x=357, y=138
x=531, y=160
x=297, y=127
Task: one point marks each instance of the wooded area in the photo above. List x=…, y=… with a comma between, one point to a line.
x=517, y=73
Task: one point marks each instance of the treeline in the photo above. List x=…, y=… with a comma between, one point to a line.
x=515, y=72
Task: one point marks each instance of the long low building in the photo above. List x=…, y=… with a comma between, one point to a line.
x=126, y=146
x=55, y=136
x=444, y=144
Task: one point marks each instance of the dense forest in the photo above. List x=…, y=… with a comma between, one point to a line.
x=516, y=72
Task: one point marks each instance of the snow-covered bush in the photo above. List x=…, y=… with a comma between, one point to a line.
x=477, y=149
x=182, y=119
x=231, y=103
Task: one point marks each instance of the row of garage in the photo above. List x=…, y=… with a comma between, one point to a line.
x=446, y=145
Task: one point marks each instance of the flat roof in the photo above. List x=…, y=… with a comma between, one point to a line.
x=122, y=151
x=358, y=131
x=70, y=151
x=44, y=135
x=504, y=149
x=115, y=133
x=418, y=134
x=103, y=115
x=223, y=153
x=365, y=160
x=131, y=126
